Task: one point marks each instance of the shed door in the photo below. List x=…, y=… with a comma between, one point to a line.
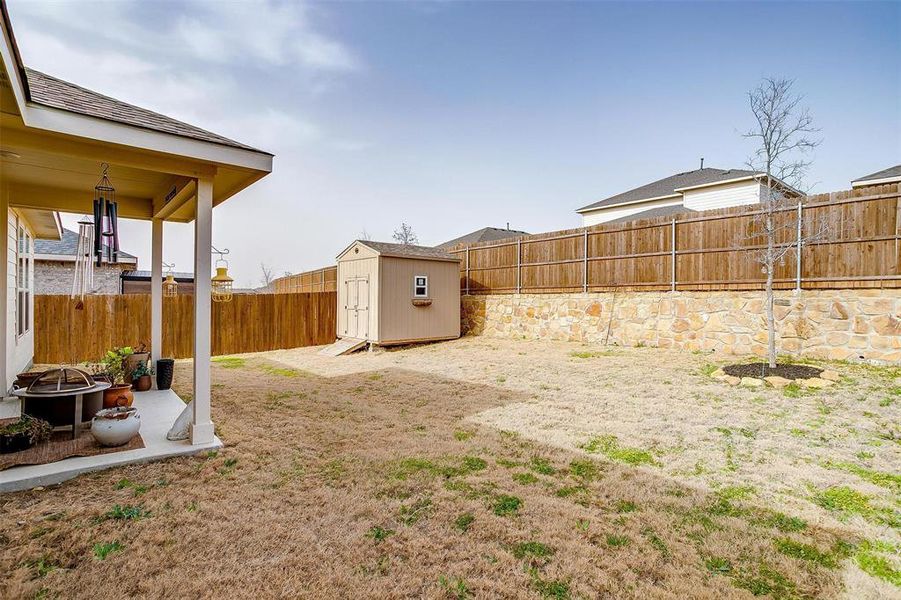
x=356, y=323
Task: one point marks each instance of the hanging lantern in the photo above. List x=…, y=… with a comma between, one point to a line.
x=170, y=286
x=221, y=284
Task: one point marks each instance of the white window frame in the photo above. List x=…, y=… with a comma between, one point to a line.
x=23, y=280
x=425, y=286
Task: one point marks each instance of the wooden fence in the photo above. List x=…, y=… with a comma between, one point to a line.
x=715, y=250
x=320, y=280
x=249, y=323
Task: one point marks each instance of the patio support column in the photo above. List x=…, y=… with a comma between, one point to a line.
x=202, y=424
x=156, y=292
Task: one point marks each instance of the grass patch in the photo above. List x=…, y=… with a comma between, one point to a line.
x=806, y=552
x=281, y=371
x=541, y=465
x=531, y=550
x=874, y=564
x=624, y=506
x=137, y=488
x=42, y=566
x=101, y=551
x=456, y=588
x=506, y=505
x=461, y=435
x=410, y=514
x=785, y=523
x=464, y=522
x=609, y=446
x=591, y=354
x=889, y=481
x=230, y=362
x=474, y=463
x=550, y=588
x=709, y=369
x=767, y=581
x=617, y=541
x=586, y=470
x=411, y=466
x=126, y=513
x=525, y=478
x=846, y=501
x=718, y=565
x=379, y=534
x=655, y=541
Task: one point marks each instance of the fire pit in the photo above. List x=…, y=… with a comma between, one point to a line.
x=65, y=382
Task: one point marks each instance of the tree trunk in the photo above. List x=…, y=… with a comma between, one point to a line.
x=770, y=266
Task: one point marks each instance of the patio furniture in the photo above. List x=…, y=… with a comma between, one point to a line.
x=61, y=385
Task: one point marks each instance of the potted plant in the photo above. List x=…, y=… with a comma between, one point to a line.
x=141, y=377
x=119, y=394
x=115, y=426
x=132, y=361
x=23, y=434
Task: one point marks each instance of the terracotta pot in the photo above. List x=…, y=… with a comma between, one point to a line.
x=115, y=426
x=133, y=360
x=142, y=383
x=117, y=396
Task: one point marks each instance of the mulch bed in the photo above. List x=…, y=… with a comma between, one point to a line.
x=60, y=446
x=761, y=370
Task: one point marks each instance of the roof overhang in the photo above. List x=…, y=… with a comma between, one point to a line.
x=122, y=260
x=590, y=209
x=44, y=224
x=52, y=156
x=719, y=183
x=880, y=181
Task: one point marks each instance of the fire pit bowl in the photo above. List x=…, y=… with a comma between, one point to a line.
x=65, y=384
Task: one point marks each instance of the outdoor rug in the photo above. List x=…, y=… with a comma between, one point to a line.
x=60, y=446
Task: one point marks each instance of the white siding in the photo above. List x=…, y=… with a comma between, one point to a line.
x=616, y=212
x=723, y=196
x=19, y=349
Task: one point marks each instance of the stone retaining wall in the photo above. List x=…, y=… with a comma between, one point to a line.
x=834, y=324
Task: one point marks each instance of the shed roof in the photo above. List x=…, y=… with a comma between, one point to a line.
x=139, y=275
x=485, y=234
x=668, y=186
x=406, y=251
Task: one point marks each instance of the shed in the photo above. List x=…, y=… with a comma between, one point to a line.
x=397, y=294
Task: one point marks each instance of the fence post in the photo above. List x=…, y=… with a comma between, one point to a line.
x=798, y=262
x=673, y=257
x=585, y=260
x=467, y=270
x=518, y=265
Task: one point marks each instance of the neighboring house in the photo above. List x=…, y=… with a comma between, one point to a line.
x=54, y=267
x=138, y=282
x=702, y=189
x=485, y=234
x=890, y=175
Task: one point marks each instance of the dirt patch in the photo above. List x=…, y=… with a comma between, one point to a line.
x=761, y=370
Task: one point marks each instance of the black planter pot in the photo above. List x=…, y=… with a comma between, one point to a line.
x=165, y=367
x=14, y=442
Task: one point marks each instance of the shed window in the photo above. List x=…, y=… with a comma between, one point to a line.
x=420, y=286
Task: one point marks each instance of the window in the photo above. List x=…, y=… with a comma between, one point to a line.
x=421, y=286
x=23, y=281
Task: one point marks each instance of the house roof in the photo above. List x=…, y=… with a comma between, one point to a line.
x=408, y=251
x=67, y=245
x=138, y=275
x=891, y=174
x=667, y=186
x=485, y=234
x=660, y=211
x=56, y=93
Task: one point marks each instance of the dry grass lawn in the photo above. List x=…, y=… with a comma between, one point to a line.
x=488, y=468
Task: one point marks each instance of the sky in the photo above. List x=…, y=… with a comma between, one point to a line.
x=453, y=116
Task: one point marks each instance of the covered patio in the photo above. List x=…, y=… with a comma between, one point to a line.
x=54, y=137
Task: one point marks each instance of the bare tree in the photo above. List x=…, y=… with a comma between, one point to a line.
x=267, y=276
x=364, y=235
x=783, y=133
x=405, y=235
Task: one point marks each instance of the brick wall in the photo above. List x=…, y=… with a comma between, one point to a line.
x=835, y=324
x=55, y=277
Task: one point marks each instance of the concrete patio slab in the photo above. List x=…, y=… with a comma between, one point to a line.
x=158, y=409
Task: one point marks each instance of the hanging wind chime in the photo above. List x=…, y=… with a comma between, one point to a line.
x=83, y=281
x=106, y=225
x=221, y=284
x=170, y=286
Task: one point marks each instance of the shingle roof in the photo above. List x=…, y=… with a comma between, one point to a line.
x=660, y=211
x=668, y=185
x=67, y=245
x=485, y=234
x=883, y=174
x=409, y=251
x=56, y=93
